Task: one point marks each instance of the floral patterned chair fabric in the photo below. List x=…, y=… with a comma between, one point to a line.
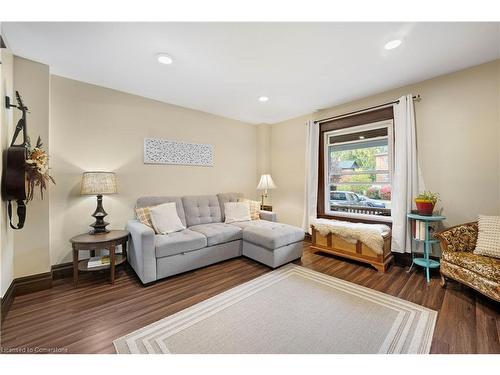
x=458, y=261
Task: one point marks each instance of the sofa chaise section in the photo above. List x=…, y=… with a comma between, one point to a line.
x=273, y=244
x=265, y=240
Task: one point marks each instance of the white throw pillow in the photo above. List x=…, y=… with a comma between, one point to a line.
x=254, y=208
x=488, y=238
x=165, y=218
x=237, y=211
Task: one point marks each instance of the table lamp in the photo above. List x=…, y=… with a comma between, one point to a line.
x=98, y=183
x=266, y=183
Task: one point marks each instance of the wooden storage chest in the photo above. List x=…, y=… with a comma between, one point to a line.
x=333, y=244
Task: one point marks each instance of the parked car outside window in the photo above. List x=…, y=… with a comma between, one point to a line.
x=349, y=198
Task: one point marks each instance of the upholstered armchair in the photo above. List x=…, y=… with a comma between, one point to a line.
x=458, y=262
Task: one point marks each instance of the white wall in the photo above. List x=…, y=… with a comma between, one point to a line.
x=94, y=128
x=31, y=244
x=458, y=130
x=287, y=168
x=263, y=149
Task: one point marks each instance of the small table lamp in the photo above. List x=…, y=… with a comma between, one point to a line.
x=266, y=183
x=98, y=183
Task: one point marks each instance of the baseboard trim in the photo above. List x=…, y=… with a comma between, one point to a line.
x=33, y=283
x=6, y=300
x=24, y=285
x=61, y=271
x=402, y=259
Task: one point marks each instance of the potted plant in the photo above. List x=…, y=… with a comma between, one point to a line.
x=425, y=202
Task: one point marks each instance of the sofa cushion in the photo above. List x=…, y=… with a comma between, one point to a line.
x=201, y=209
x=217, y=233
x=227, y=197
x=178, y=242
x=155, y=201
x=482, y=265
x=271, y=235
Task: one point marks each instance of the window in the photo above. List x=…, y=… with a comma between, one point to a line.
x=357, y=175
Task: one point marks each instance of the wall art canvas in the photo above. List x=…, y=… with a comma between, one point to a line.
x=162, y=151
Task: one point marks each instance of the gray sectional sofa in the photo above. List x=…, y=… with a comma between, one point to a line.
x=207, y=239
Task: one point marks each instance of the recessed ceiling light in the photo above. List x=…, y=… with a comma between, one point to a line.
x=361, y=137
x=263, y=99
x=393, y=44
x=163, y=58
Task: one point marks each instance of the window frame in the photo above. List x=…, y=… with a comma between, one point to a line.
x=389, y=124
x=351, y=124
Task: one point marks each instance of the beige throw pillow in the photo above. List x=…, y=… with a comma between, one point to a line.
x=488, y=239
x=165, y=218
x=254, y=208
x=144, y=216
x=237, y=211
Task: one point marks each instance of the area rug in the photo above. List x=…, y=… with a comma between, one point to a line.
x=290, y=310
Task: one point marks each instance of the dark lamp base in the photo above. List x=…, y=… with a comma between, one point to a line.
x=99, y=214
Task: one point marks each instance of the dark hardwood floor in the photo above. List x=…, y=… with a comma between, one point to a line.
x=88, y=319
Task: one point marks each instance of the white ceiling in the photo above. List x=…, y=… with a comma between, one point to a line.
x=222, y=68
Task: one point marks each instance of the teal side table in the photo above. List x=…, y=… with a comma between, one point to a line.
x=428, y=242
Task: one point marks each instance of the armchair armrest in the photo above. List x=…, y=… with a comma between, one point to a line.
x=141, y=253
x=461, y=237
x=268, y=215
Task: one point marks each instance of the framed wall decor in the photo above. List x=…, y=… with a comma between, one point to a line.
x=162, y=151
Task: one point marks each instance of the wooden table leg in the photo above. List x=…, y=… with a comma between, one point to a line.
x=124, y=249
x=112, y=263
x=75, y=267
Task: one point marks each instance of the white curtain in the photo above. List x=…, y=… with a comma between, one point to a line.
x=311, y=174
x=406, y=176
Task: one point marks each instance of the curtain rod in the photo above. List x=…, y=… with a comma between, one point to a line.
x=415, y=97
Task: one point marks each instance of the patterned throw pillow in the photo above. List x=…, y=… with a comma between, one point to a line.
x=144, y=216
x=488, y=238
x=254, y=208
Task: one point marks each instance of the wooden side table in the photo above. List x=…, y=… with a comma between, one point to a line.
x=108, y=241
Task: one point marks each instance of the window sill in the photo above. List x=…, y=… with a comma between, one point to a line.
x=363, y=217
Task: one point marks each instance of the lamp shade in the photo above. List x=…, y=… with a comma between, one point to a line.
x=266, y=182
x=98, y=183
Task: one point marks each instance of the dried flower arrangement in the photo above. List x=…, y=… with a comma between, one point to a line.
x=37, y=169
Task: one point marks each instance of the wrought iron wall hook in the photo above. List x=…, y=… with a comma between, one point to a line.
x=8, y=105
